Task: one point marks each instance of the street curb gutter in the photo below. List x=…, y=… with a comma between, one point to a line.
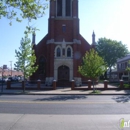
x=61, y=94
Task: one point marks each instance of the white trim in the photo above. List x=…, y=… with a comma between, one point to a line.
x=75, y=41
x=63, y=7
x=60, y=62
x=62, y=42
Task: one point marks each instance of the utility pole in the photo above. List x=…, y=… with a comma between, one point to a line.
x=11, y=67
x=2, y=69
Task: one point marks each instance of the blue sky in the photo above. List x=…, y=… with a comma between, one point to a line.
x=108, y=18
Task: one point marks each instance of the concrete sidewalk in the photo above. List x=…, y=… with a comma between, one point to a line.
x=62, y=122
x=64, y=91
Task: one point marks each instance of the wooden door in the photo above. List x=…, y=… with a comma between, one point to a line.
x=63, y=76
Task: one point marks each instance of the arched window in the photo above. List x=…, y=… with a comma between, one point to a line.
x=42, y=65
x=58, y=52
x=68, y=52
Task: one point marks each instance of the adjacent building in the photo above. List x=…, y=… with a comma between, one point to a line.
x=9, y=72
x=121, y=67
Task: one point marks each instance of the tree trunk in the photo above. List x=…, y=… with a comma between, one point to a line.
x=110, y=74
x=24, y=84
x=105, y=75
x=93, y=86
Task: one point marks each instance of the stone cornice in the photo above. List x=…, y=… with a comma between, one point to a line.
x=52, y=41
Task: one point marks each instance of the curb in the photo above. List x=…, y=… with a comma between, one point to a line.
x=63, y=94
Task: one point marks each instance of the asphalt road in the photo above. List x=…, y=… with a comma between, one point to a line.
x=64, y=104
x=63, y=112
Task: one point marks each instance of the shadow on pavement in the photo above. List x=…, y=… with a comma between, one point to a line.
x=62, y=98
x=123, y=98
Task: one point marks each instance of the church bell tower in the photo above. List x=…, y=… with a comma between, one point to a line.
x=63, y=37
x=63, y=20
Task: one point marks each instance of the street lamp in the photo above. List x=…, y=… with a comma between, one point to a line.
x=2, y=70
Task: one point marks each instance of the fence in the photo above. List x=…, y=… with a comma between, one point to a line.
x=41, y=86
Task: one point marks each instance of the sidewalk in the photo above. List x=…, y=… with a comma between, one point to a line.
x=64, y=91
x=62, y=122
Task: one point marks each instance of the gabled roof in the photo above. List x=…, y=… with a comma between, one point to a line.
x=126, y=58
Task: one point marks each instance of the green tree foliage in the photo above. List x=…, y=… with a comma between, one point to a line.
x=111, y=50
x=93, y=65
x=26, y=58
x=23, y=9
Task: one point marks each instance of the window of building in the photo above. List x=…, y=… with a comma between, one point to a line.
x=68, y=52
x=123, y=65
x=59, y=7
x=120, y=66
x=64, y=8
x=68, y=8
x=58, y=52
x=42, y=65
x=63, y=28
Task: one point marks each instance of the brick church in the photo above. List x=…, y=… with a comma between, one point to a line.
x=60, y=52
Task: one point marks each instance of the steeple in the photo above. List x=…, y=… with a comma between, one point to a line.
x=93, y=39
x=33, y=38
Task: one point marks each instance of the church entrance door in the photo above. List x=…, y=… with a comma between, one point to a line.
x=63, y=76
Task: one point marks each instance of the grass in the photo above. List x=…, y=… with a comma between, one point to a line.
x=96, y=92
x=126, y=86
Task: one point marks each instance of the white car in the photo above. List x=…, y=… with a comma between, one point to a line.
x=6, y=79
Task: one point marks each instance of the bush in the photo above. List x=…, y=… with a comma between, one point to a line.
x=126, y=85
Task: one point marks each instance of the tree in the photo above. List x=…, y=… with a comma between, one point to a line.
x=23, y=9
x=93, y=65
x=26, y=59
x=110, y=51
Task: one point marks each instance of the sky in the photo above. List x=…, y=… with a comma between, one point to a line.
x=107, y=18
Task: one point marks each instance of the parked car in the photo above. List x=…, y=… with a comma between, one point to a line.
x=20, y=79
x=12, y=79
x=5, y=79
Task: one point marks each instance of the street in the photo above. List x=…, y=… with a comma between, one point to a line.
x=64, y=104
x=63, y=112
